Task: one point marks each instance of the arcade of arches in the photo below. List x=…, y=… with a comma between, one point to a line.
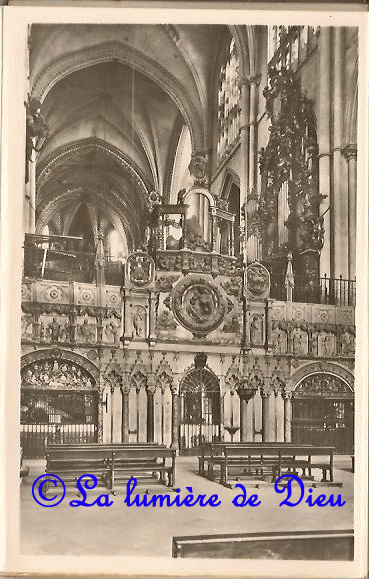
x=189, y=219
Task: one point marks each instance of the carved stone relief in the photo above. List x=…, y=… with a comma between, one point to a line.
x=166, y=321
x=56, y=374
x=53, y=329
x=140, y=269
x=198, y=304
x=86, y=330
x=86, y=295
x=300, y=342
x=112, y=330
x=326, y=344
x=258, y=281
x=113, y=298
x=279, y=341
x=26, y=326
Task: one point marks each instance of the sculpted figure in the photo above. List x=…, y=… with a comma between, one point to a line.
x=138, y=324
x=200, y=306
x=256, y=331
x=86, y=331
x=111, y=331
x=280, y=346
x=54, y=329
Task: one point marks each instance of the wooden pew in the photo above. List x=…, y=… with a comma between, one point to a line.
x=108, y=462
x=142, y=464
x=275, y=460
x=258, y=456
x=286, y=463
x=337, y=545
x=71, y=463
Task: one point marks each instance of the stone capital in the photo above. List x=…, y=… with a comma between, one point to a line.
x=350, y=152
x=287, y=394
x=249, y=79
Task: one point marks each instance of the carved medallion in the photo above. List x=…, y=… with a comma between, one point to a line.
x=198, y=167
x=198, y=305
x=139, y=269
x=258, y=281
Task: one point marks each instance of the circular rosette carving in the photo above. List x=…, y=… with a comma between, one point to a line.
x=258, y=281
x=113, y=299
x=198, y=305
x=53, y=294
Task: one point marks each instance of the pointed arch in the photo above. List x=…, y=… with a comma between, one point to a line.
x=118, y=51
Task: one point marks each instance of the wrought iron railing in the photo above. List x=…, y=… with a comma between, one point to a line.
x=335, y=292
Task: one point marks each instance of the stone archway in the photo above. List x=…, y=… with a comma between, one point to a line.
x=59, y=403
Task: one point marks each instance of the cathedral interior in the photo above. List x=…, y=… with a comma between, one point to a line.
x=189, y=235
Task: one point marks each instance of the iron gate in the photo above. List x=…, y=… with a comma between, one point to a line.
x=323, y=413
x=57, y=417
x=199, y=409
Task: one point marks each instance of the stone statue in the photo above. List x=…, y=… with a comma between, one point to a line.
x=138, y=324
x=299, y=343
x=54, y=330
x=280, y=342
x=348, y=343
x=86, y=331
x=327, y=344
x=111, y=331
x=256, y=331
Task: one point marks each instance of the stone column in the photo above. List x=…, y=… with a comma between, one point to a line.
x=287, y=395
x=340, y=196
x=244, y=139
x=254, y=83
x=279, y=413
x=175, y=391
x=112, y=413
x=324, y=116
x=265, y=396
x=351, y=156
x=125, y=412
x=152, y=313
x=100, y=260
x=151, y=387
x=231, y=239
x=100, y=414
x=31, y=193
x=215, y=246
x=243, y=418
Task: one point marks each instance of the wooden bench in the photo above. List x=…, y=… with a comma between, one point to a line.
x=212, y=454
x=337, y=545
x=109, y=462
x=288, y=464
x=142, y=464
x=71, y=463
x=275, y=460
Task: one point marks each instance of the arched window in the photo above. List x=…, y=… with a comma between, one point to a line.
x=228, y=102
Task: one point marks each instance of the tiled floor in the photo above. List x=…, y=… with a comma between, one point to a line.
x=148, y=531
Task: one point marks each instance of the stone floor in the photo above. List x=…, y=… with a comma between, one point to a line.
x=120, y=530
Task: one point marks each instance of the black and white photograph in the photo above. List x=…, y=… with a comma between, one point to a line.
x=187, y=383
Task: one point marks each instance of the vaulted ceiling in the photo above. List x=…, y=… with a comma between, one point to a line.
x=115, y=99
